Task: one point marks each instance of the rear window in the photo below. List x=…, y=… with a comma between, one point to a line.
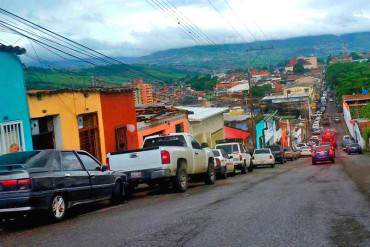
x=261, y=151
x=174, y=141
x=18, y=158
x=229, y=149
x=355, y=145
x=275, y=148
x=216, y=153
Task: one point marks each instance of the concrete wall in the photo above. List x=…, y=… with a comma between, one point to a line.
x=208, y=130
x=67, y=106
x=13, y=105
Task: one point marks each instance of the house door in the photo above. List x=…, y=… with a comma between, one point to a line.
x=121, y=139
x=11, y=133
x=43, y=133
x=89, y=134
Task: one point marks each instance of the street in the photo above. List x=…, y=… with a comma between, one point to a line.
x=296, y=204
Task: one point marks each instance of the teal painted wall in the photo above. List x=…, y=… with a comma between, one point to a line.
x=260, y=139
x=13, y=98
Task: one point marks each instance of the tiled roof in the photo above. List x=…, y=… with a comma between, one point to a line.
x=14, y=49
x=81, y=90
x=201, y=113
x=356, y=97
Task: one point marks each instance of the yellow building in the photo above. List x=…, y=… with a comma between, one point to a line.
x=68, y=120
x=206, y=124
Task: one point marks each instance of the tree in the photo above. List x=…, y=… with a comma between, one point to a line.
x=366, y=111
x=299, y=68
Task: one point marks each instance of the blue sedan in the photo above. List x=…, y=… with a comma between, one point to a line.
x=354, y=148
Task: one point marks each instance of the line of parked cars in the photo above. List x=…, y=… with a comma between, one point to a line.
x=56, y=180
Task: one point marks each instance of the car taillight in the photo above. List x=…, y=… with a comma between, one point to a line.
x=165, y=156
x=107, y=163
x=24, y=184
x=270, y=157
x=218, y=162
x=240, y=157
x=13, y=184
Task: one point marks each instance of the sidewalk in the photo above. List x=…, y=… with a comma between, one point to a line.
x=359, y=170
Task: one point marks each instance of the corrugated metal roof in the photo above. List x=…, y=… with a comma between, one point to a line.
x=201, y=113
x=14, y=49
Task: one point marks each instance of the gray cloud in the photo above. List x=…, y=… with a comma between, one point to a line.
x=134, y=28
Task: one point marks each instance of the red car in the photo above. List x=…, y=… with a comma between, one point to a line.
x=323, y=153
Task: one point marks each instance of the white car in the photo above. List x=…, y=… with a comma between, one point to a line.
x=223, y=164
x=239, y=155
x=305, y=151
x=262, y=157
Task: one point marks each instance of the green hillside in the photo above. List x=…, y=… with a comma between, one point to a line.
x=349, y=78
x=235, y=56
x=41, y=78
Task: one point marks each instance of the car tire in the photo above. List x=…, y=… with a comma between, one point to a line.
x=251, y=166
x=224, y=174
x=210, y=176
x=181, y=179
x=58, y=207
x=244, y=168
x=333, y=161
x=272, y=165
x=117, y=193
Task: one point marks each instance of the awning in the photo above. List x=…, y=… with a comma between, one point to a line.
x=233, y=133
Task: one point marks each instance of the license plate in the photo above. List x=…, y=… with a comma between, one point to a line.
x=136, y=174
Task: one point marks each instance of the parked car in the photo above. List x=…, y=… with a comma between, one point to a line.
x=323, y=153
x=278, y=153
x=346, y=140
x=239, y=154
x=305, y=151
x=263, y=157
x=223, y=164
x=316, y=131
x=164, y=159
x=354, y=148
x=291, y=153
x=55, y=181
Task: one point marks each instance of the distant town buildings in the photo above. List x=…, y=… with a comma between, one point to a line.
x=143, y=92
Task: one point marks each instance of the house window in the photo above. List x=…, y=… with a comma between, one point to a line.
x=179, y=128
x=121, y=139
x=11, y=133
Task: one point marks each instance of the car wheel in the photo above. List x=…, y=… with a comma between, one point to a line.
x=272, y=165
x=117, y=193
x=181, y=179
x=58, y=207
x=210, y=175
x=333, y=161
x=251, y=166
x=224, y=174
x=244, y=168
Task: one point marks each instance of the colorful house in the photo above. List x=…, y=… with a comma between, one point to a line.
x=160, y=120
x=206, y=123
x=96, y=120
x=14, y=119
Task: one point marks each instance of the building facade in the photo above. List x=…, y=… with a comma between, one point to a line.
x=206, y=123
x=144, y=94
x=14, y=117
x=95, y=120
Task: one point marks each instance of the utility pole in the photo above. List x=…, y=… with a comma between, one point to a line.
x=250, y=103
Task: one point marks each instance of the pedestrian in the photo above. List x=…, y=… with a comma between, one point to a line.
x=14, y=148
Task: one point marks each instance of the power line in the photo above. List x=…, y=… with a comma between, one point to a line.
x=227, y=21
x=155, y=4
x=184, y=19
x=237, y=15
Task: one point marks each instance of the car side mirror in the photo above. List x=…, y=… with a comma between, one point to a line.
x=204, y=145
x=104, y=168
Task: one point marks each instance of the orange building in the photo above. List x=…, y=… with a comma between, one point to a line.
x=144, y=91
x=285, y=133
x=159, y=120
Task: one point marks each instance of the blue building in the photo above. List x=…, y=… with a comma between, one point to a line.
x=267, y=131
x=14, y=116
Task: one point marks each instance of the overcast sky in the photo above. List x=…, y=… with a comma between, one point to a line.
x=135, y=27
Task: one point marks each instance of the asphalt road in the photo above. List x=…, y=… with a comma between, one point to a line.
x=295, y=204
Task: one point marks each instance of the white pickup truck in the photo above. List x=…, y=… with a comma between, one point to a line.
x=173, y=157
x=239, y=154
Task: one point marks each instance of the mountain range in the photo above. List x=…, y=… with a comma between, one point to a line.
x=174, y=64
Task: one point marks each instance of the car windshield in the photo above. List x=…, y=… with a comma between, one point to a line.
x=262, y=151
x=228, y=149
x=216, y=153
x=176, y=141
